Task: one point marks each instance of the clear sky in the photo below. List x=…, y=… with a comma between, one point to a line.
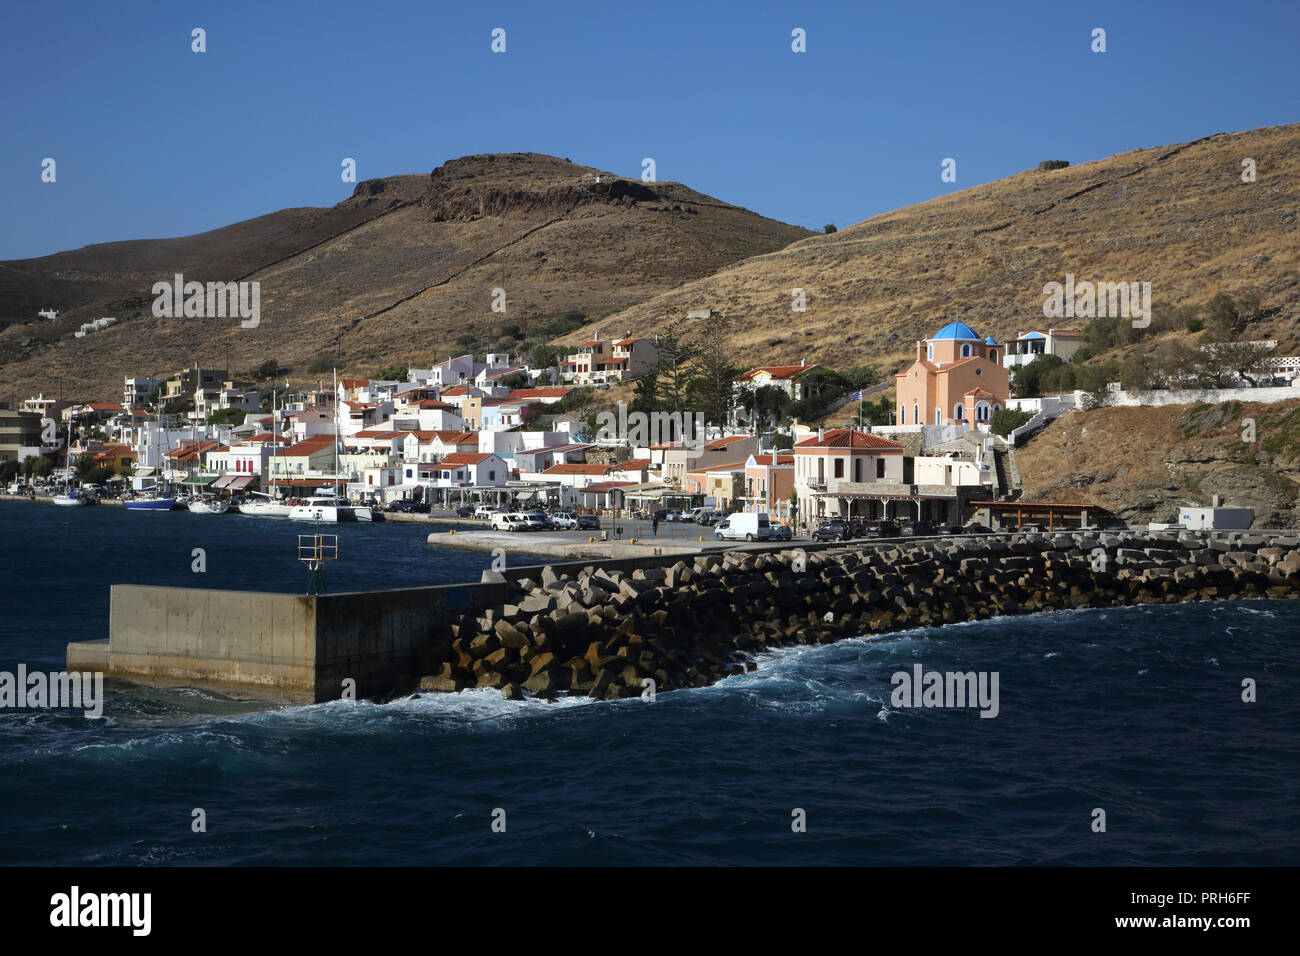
x=151, y=139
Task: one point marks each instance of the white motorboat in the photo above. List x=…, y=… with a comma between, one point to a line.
x=264, y=506
x=323, y=508
x=69, y=498
x=209, y=505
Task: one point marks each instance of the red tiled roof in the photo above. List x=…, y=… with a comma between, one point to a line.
x=724, y=442
x=765, y=458
x=602, y=486
x=310, y=445
x=465, y=458
x=633, y=464
x=546, y=391
x=626, y=341
x=778, y=371
x=849, y=438
x=354, y=382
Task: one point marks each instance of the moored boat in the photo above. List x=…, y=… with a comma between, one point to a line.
x=323, y=508
x=208, y=505
x=264, y=506
x=154, y=503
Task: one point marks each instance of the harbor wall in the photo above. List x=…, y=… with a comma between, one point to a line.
x=602, y=627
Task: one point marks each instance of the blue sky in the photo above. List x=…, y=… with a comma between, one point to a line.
x=151, y=139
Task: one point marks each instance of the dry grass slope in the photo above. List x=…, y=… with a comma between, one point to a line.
x=1176, y=216
x=391, y=275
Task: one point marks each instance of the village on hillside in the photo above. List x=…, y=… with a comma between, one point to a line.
x=815, y=450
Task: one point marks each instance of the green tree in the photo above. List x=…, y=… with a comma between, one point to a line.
x=829, y=228
x=1007, y=420
x=1027, y=381
x=710, y=387
x=29, y=465
x=322, y=365
x=9, y=470
x=645, y=394
x=394, y=373
x=673, y=368
x=1223, y=320
x=43, y=468
x=515, y=380
x=227, y=416
x=782, y=442
x=268, y=369
x=82, y=466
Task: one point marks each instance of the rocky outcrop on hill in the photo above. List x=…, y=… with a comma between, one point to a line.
x=607, y=633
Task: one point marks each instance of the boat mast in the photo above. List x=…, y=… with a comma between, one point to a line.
x=336, y=435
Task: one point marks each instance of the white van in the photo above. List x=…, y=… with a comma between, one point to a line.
x=485, y=512
x=750, y=526
x=509, y=522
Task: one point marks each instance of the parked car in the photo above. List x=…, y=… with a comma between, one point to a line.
x=588, y=523
x=780, y=532
x=711, y=518
x=509, y=521
x=541, y=519
x=464, y=511
x=836, y=529
x=692, y=514
x=674, y=515
x=879, y=528
x=976, y=528
x=917, y=529
x=659, y=515
x=751, y=526
x=486, y=512
x=565, y=519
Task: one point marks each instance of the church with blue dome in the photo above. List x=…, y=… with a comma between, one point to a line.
x=957, y=379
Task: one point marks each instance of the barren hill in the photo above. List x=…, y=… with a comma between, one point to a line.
x=391, y=275
x=1142, y=463
x=1179, y=217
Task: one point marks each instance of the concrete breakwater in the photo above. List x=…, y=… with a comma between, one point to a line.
x=603, y=627
x=606, y=632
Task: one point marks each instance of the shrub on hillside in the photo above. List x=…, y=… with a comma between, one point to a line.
x=1007, y=420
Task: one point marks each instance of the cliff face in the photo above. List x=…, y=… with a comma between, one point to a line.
x=1143, y=463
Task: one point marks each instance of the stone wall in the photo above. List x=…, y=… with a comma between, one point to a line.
x=604, y=631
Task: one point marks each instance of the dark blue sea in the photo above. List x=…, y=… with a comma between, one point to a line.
x=1136, y=711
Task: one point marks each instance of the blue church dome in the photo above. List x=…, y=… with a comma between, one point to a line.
x=990, y=341
x=957, y=330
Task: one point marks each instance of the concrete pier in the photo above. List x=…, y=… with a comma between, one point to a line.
x=600, y=626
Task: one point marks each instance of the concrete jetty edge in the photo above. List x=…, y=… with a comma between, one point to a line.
x=603, y=627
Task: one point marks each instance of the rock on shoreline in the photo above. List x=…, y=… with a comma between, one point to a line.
x=604, y=633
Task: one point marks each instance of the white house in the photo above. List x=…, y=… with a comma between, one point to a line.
x=1036, y=343
x=477, y=469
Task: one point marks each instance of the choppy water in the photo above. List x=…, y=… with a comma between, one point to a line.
x=1137, y=711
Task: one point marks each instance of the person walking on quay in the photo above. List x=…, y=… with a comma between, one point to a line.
x=654, y=525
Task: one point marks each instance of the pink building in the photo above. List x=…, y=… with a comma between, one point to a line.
x=957, y=378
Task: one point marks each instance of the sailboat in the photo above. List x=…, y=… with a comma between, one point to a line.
x=68, y=497
x=152, y=501
x=266, y=505
x=328, y=507
x=209, y=505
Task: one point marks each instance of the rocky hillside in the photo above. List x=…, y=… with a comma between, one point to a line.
x=391, y=275
x=1179, y=217
x=1142, y=463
